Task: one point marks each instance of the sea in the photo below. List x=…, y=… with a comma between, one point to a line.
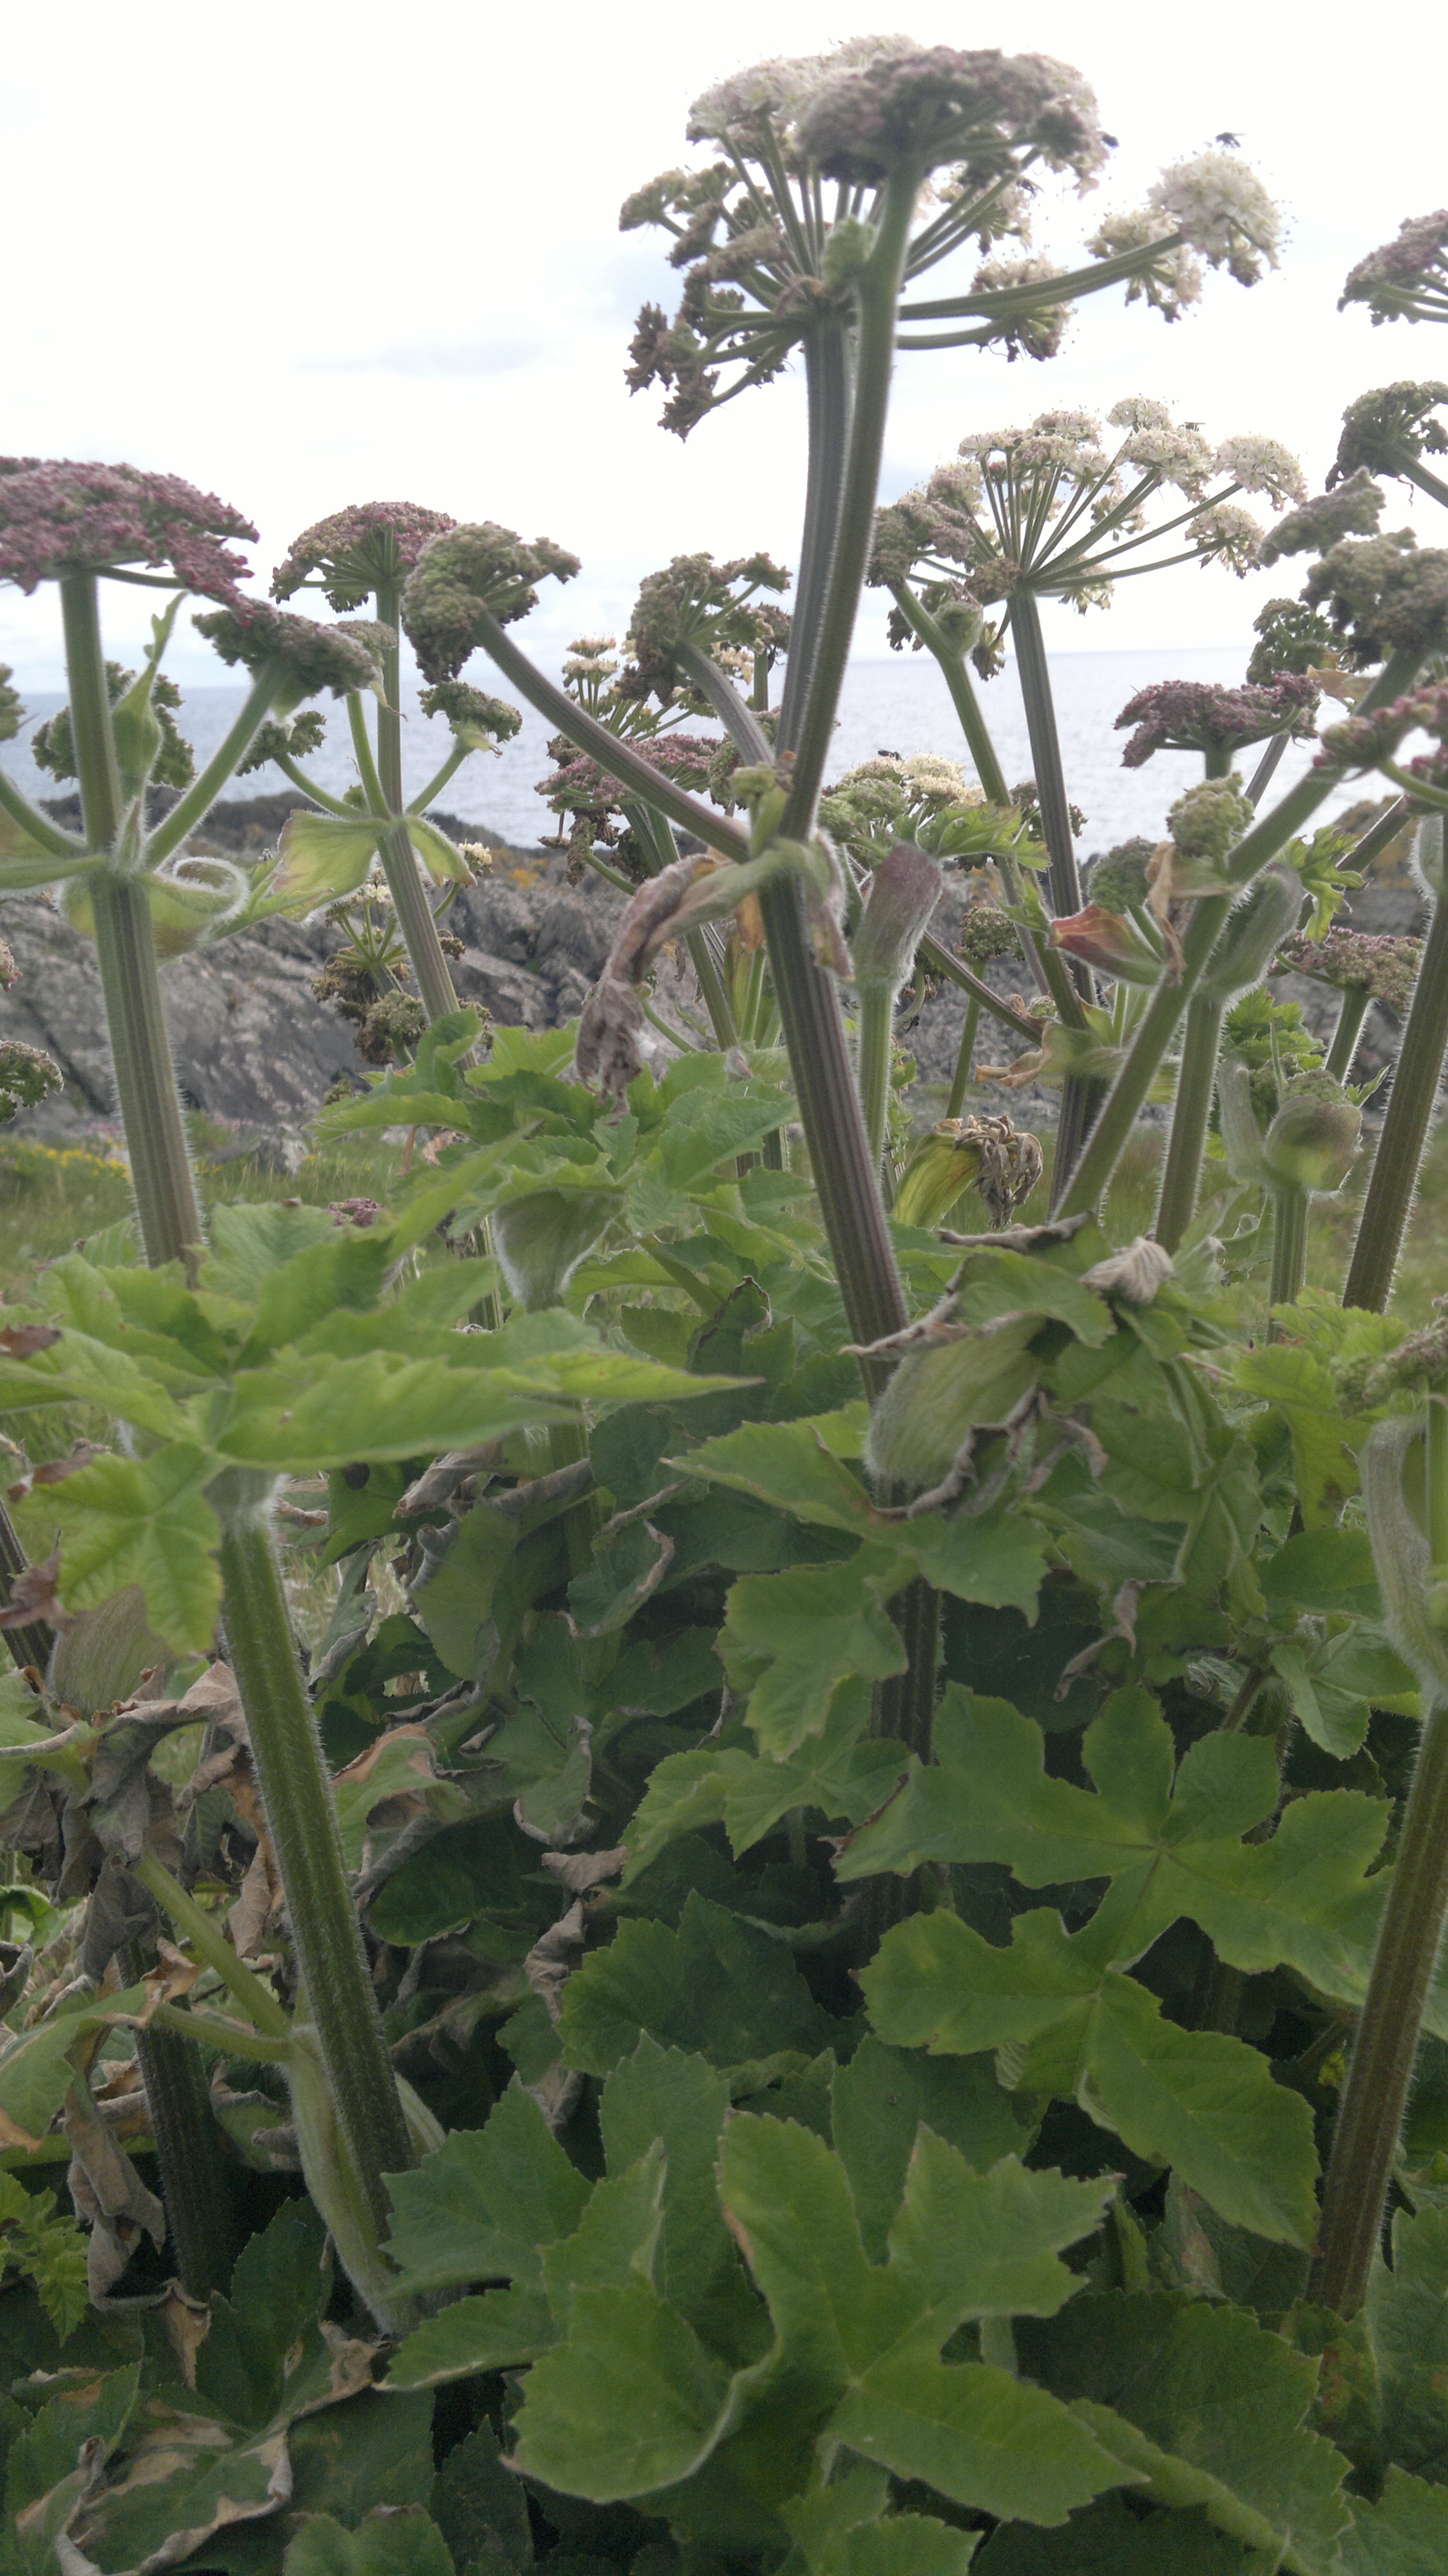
x=899, y=705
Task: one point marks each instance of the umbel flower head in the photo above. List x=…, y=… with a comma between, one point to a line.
x=465, y=571
x=1360, y=961
x=1056, y=508
x=1371, y=742
x=58, y=517
x=348, y=556
x=312, y=657
x=915, y=111
x=52, y=745
x=1407, y=278
x=710, y=606
x=1352, y=509
x=1383, y=594
x=1193, y=715
x=1387, y=431
x=479, y=721
x=291, y=738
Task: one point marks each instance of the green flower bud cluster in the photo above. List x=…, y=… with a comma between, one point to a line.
x=291, y=738
x=986, y=931
x=1118, y=878
x=479, y=721
x=1210, y=818
x=467, y=570
x=52, y=745
x=27, y=1076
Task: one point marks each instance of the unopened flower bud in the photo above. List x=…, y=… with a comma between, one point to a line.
x=1103, y=939
x=540, y=1240
x=904, y=891
x=936, y=1398
x=1316, y=1136
x=1251, y=934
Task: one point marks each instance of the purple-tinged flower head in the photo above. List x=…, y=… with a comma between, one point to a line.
x=698, y=762
x=709, y=606
x=1170, y=279
x=12, y=713
x=1360, y=961
x=1291, y=638
x=1221, y=209
x=1352, y=510
x=292, y=738
x=371, y=546
x=465, y=572
x=939, y=523
x=1365, y=742
x=27, y=1075
x=914, y=111
x=1387, y=431
x=1383, y=595
x=310, y=656
x=58, y=517
x=1195, y=715
x=1407, y=278
x=479, y=722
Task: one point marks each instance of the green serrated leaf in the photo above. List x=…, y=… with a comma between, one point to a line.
x=716, y=1985
x=496, y=2331
x=1404, y=2534
x=488, y=2200
x=1407, y=2316
x=406, y=2543
x=145, y=1521
x=1208, y=2409
x=1205, y=2104
x=630, y=2404
x=791, y=1639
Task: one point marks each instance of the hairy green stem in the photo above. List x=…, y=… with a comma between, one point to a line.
x=1191, y=1114
x=1343, y=1050
x=210, y=1944
x=29, y=1646
x=37, y=826
x=828, y=392
x=161, y=1176
x=208, y=783
x=414, y=912
x=1154, y=1029
x=960, y=1083
x=302, y=1824
x=178, y=2099
x=876, y=1032
x=1080, y=1093
x=1388, y=1201
x=1375, y=2095
x=1289, y=1248
x=904, y=1711
x=829, y=647
x=319, y=795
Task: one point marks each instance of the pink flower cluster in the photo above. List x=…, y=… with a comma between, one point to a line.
x=58, y=517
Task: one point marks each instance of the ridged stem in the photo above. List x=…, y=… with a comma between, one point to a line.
x=960, y=1083
x=1375, y=2095
x=828, y=392
x=1342, y=1053
x=1080, y=1093
x=876, y=1025
x=29, y=1646
x=414, y=913
x=302, y=1824
x=192, y=2188
x=1289, y=1247
x=1388, y=1202
x=1191, y=1115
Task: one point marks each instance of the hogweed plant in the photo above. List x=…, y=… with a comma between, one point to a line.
x=867, y=1811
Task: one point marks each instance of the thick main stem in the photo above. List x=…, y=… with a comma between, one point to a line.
x=29, y=1646
x=828, y=389
x=1191, y=1113
x=150, y=1106
x=414, y=912
x=1375, y=2096
x=1079, y=1093
x=1388, y=1202
x=302, y=1824
x=1289, y=1247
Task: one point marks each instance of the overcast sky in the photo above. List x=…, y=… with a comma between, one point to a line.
x=309, y=254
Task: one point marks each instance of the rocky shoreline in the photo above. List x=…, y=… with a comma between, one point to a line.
x=256, y=1051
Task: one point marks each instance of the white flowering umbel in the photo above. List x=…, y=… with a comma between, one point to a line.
x=1058, y=510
